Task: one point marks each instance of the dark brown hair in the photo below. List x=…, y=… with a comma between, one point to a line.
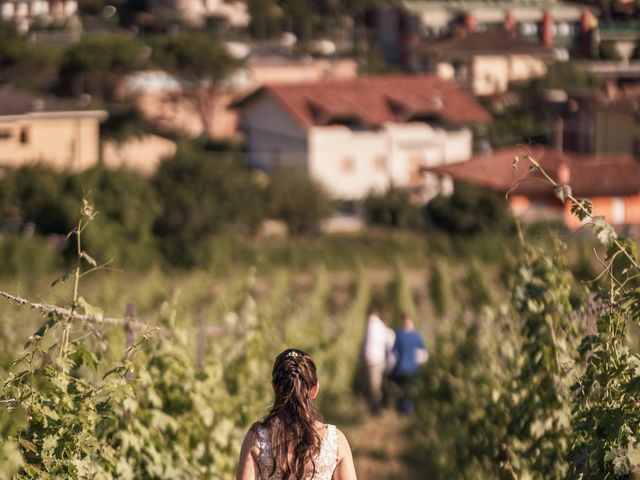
x=295, y=442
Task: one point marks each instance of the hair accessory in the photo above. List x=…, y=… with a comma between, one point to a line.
x=293, y=354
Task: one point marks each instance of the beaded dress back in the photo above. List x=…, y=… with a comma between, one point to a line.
x=325, y=462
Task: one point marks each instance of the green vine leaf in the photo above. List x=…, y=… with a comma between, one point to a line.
x=563, y=192
x=604, y=232
x=583, y=208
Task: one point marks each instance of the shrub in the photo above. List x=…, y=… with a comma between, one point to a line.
x=127, y=206
x=393, y=208
x=470, y=210
x=29, y=256
x=39, y=195
x=299, y=201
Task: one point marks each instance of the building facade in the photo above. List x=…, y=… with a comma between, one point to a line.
x=57, y=133
x=361, y=135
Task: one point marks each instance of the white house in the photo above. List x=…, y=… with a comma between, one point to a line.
x=361, y=135
x=25, y=12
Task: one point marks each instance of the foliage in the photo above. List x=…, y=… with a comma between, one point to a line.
x=39, y=195
x=608, y=50
x=27, y=256
x=201, y=194
x=469, y=210
x=125, y=121
x=298, y=200
x=392, y=208
x=96, y=63
x=201, y=63
x=27, y=64
x=440, y=290
x=128, y=209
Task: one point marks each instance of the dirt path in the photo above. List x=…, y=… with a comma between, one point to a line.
x=379, y=444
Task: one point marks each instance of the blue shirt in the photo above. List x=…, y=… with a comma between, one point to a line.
x=405, y=348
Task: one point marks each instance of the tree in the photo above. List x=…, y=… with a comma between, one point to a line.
x=200, y=63
x=203, y=193
x=96, y=64
x=25, y=63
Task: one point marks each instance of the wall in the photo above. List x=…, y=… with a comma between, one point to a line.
x=351, y=163
x=274, y=138
x=615, y=132
x=141, y=154
x=63, y=143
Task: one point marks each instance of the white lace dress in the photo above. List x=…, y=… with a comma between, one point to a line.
x=325, y=462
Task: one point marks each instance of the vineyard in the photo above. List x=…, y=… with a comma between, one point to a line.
x=533, y=374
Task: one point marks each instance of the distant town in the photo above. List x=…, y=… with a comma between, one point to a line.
x=363, y=98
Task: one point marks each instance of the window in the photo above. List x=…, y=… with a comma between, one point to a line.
x=348, y=165
x=380, y=163
x=24, y=135
x=5, y=133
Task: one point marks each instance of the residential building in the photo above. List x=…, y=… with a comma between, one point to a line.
x=485, y=62
x=565, y=26
x=610, y=181
x=361, y=135
x=24, y=13
x=601, y=123
x=60, y=133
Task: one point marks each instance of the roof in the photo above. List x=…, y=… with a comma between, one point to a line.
x=589, y=175
x=497, y=41
x=375, y=100
x=15, y=102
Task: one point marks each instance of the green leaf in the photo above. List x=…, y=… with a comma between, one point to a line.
x=62, y=278
x=562, y=192
x=582, y=209
x=26, y=444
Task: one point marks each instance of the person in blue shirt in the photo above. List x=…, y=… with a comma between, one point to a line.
x=410, y=351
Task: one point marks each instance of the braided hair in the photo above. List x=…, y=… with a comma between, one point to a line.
x=295, y=442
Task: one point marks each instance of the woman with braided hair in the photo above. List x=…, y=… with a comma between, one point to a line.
x=291, y=442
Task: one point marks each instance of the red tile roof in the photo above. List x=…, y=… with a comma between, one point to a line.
x=589, y=175
x=376, y=100
x=496, y=42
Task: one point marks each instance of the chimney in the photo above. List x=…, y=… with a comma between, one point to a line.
x=564, y=172
x=547, y=29
x=611, y=90
x=587, y=25
x=509, y=22
x=469, y=22
x=558, y=133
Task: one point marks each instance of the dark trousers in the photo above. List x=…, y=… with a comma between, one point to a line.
x=406, y=383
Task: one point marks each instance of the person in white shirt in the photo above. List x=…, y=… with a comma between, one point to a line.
x=377, y=343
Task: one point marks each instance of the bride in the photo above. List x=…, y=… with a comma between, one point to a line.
x=291, y=442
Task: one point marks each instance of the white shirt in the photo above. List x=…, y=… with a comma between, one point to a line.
x=376, y=341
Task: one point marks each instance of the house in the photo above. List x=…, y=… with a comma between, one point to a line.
x=610, y=181
x=61, y=133
x=565, y=26
x=485, y=62
x=361, y=135
x=24, y=13
x=603, y=122
x=157, y=93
